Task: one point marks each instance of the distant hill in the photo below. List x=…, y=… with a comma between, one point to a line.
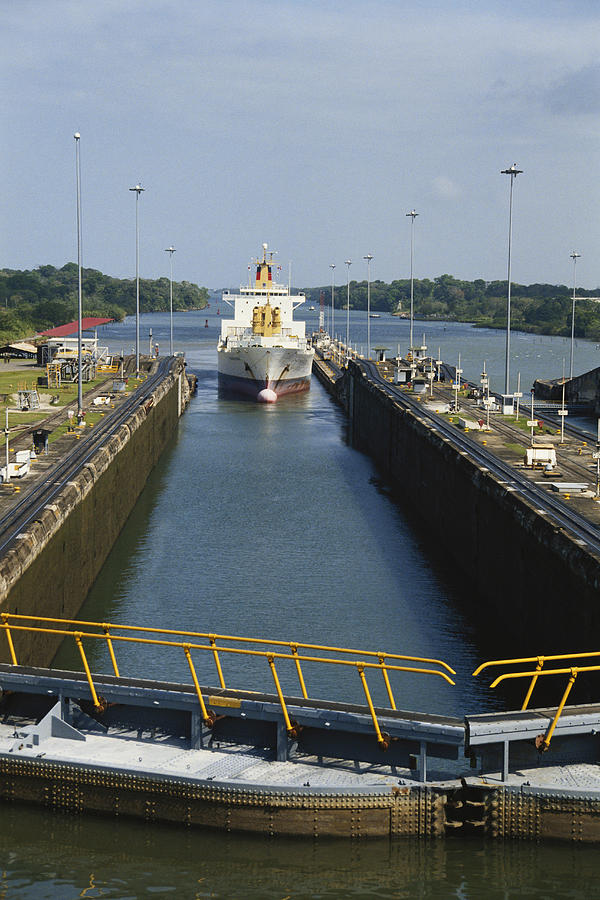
x=32, y=301
x=539, y=308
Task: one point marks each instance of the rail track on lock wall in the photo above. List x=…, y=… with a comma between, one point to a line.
x=578, y=471
x=29, y=506
x=511, y=478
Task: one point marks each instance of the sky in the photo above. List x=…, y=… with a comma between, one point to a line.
x=312, y=125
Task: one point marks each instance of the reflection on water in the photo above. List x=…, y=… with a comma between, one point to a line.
x=53, y=855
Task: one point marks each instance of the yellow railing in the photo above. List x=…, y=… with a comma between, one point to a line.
x=110, y=633
x=538, y=672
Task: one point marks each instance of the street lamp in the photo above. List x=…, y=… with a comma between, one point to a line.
x=77, y=138
x=138, y=190
x=574, y=256
x=513, y=172
x=332, y=267
x=368, y=258
x=171, y=251
x=348, y=264
x=413, y=216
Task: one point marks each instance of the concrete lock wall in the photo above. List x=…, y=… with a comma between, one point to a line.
x=56, y=561
x=534, y=584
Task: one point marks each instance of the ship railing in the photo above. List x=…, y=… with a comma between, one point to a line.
x=572, y=671
x=273, y=651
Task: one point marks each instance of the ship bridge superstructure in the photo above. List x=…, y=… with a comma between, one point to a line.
x=263, y=310
x=262, y=351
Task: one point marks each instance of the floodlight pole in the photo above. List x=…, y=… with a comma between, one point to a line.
x=138, y=189
x=368, y=258
x=77, y=138
x=513, y=172
x=171, y=251
x=332, y=267
x=348, y=264
x=413, y=216
x=7, y=450
x=574, y=256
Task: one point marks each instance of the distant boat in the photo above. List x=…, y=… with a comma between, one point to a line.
x=374, y=316
x=311, y=308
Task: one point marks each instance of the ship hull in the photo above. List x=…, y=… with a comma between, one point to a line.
x=251, y=371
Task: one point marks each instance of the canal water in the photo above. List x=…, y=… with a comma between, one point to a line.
x=262, y=521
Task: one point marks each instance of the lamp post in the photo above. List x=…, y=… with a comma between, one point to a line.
x=77, y=138
x=413, y=216
x=171, y=251
x=332, y=267
x=348, y=263
x=368, y=258
x=513, y=172
x=574, y=256
x=485, y=390
x=138, y=190
x=6, y=447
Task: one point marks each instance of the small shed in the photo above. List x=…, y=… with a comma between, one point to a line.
x=18, y=350
x=402, y=374
x=380, y=353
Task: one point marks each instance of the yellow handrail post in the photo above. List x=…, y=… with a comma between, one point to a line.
x=111, y=650
x=550, y=732
x=286, y=717
x=11, y=646
x=77, y=636
x=538, y=668
x=213, y=644
x=386, y=678
x=380, y=738
x=188, y=656
x=299, y=670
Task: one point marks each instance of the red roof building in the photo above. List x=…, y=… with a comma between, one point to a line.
x=73, y=327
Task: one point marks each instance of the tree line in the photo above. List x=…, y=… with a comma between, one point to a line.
x=539, y=308
x=33, y=301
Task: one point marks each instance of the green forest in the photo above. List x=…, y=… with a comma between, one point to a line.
x=33, y=301
x=539, y=308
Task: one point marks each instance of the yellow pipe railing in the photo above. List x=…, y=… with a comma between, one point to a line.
x=380, y=739
x=540, y=660
x=228, y=637
x=106, y=629
x=540, y=672
x=588, y=654
x=188, y=656
x=78, y=637
x=107, y=633
x=294, y=648
x=11, y=647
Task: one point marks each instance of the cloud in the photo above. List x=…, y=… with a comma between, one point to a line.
x=577, y=93
x=445, y=187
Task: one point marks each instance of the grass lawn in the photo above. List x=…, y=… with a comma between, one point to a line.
x=516, y=448
x=15, y=380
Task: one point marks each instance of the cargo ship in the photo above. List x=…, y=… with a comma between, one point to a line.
x=263, y=353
